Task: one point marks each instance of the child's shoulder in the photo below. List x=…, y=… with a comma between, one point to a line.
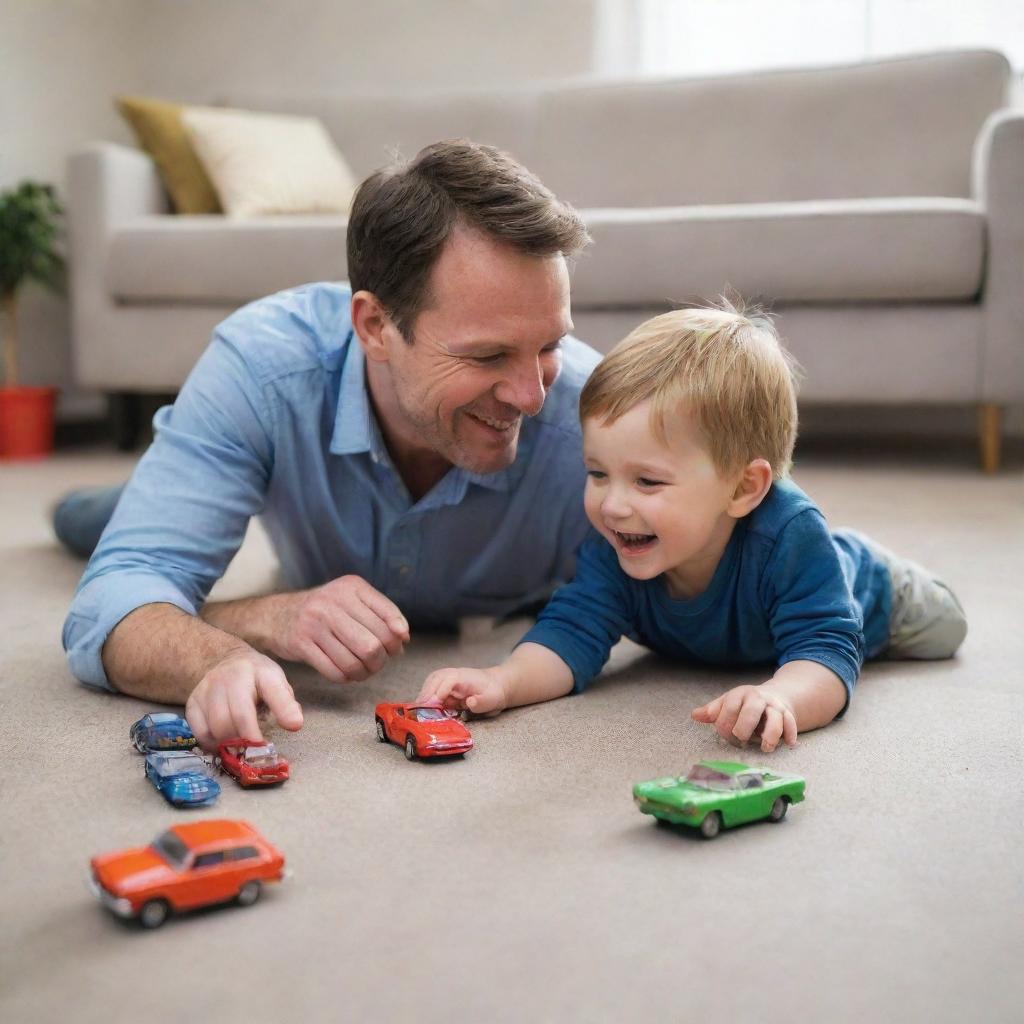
x=783, y=503
x=787, y=520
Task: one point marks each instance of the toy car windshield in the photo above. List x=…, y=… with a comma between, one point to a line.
x=176, y=765
x=163, y=716
x=171, y=848
x=427, y=714
x=707, y=778
x=262, y=757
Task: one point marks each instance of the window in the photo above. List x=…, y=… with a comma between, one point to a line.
x=709, y=37
x=242, y=853
x=209, y=860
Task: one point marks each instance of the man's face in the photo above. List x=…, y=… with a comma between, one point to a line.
x=486, y=350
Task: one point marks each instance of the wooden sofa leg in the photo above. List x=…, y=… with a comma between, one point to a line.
x=990, y=421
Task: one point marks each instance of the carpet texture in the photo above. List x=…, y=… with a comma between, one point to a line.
x=521, y=883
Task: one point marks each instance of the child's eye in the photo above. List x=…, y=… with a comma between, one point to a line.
x=596, y=474
x=644, y=481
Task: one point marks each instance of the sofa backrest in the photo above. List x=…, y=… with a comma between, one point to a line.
x=901, y=127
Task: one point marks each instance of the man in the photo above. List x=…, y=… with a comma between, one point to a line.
x=405, y=444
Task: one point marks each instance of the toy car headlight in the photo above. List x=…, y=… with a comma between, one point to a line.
x=689, y=810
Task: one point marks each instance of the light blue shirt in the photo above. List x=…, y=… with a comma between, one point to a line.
x=275, y=421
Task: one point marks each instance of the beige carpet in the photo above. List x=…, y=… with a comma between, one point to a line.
x=521, y=883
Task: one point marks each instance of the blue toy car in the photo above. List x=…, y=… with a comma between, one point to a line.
x=161, y=731
x=183, y=778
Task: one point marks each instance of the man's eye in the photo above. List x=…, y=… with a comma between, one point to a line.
x=488, y=360
x=645, y=481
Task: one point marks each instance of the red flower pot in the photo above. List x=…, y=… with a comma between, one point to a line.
x=26, y=422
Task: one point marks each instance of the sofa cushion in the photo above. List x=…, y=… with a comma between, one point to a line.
x=216, y=260
x=269, y=163
x=856, y=250
x=160, y=132
x=902, y=127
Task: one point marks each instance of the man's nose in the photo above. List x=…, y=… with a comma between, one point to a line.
x=525, y=389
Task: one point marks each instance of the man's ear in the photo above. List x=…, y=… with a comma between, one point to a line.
x=751, y=488
x=372, y=325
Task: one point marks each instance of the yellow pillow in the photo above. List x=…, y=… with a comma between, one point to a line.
x=160, y=132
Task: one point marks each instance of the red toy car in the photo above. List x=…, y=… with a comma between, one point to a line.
x=188, y=866
x=252, y=763
x=424, y=730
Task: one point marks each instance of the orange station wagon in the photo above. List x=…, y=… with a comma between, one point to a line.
x=188, y=866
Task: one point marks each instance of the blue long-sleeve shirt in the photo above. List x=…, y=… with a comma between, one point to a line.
x=785, y=590
x=275, y=421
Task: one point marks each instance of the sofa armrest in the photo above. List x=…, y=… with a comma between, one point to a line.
x=998, y=184
x=108, y=185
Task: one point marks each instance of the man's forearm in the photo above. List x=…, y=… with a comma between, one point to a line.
x=160, y=653
x=252, y=619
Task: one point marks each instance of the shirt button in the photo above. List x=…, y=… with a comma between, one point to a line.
x=403, y=571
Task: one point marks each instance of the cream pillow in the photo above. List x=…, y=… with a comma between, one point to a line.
x=269, y=163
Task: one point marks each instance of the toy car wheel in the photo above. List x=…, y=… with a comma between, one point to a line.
x=711, y=825
x=779, y=808
x=154, y=913
x=410, y=747
x=249, y=893
x=140, y=744
x=381, y=732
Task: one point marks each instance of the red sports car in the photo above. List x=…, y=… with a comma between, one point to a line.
x=424, y=730
x=252, y=763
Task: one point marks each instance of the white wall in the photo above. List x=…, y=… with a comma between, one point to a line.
x=62, y=61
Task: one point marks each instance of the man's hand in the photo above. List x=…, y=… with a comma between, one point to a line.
x=345, y=629
x=479, y=690
x=747, y=711
x=223, y=704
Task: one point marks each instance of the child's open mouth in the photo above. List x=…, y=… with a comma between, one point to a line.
x=635, y=543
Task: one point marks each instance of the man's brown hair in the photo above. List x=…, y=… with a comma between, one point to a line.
x=402, y=216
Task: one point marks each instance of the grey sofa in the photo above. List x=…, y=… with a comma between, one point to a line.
x=878, y=207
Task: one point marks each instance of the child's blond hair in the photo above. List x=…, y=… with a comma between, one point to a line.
x=723, y=365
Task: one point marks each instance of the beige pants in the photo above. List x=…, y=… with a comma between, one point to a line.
x=927, y=620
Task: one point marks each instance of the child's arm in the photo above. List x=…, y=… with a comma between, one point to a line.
x=802, y=695
x=529, y=675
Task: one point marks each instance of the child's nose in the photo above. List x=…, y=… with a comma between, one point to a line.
x=614, y=505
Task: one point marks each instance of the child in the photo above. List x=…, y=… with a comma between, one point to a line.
x=707, y=553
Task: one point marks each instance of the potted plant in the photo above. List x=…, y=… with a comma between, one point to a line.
x=29, y=227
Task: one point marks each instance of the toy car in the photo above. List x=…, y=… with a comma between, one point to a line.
x=187, y=866
x=161, y=731
x=183, y=778
x=719, y=793
x=424, y=730
x=252, y=763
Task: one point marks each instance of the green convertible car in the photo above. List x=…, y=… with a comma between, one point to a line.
x=719, y=793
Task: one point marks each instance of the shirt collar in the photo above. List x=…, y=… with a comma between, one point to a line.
x=354, y=426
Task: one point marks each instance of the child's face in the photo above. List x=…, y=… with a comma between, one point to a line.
x=664, y=508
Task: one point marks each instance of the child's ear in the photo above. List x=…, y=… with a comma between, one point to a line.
x=371, y=323
x=751, y=488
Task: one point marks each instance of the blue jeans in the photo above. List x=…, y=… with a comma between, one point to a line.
x=81, y=516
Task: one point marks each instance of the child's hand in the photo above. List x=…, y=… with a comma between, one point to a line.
x=746, y=711
x=479, y=690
